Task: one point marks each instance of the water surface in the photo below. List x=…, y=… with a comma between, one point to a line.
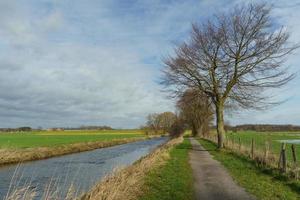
x=82, y=170
x=290, y=141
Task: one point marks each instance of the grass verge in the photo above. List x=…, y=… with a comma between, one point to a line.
x=163, y=174
x=174, y=180
x=265, y=184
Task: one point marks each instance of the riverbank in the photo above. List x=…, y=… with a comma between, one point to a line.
x=265, y=184
x=173, y=180
x=138, y=180
x=12, y=156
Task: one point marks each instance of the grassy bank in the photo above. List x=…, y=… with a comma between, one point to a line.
x=264, y=184
x=130, y=183
x=174, y=180
x=57, y=144
x=58, y=138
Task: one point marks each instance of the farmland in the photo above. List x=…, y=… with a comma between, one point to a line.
x=57, y=138
x=27, y=146
x=260, y=138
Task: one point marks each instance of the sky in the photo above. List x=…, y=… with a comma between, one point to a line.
x=98, y=62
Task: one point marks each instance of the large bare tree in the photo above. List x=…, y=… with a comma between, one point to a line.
x=196, y=111
x=232, y=58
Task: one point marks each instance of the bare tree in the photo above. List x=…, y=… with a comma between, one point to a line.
x=153, y=122
x=160, y=122
x=233, y=59
x=196, y=110
x=166, y=120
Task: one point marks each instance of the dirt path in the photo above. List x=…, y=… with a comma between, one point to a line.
x=212, y=181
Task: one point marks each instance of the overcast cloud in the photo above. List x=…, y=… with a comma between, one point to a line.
x=72, y=63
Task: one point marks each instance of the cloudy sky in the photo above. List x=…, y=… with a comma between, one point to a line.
x=96, y=62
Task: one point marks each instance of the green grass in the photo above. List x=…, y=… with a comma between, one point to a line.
x=272, y=137
x=55, y=138
x=174, y=180
x=264, y=184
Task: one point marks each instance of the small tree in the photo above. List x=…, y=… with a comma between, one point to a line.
x=233, y=59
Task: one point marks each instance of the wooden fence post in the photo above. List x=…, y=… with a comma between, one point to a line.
x=266, y=155
x=295, y=166
x=252, y=148
x=280, y=158
x=282, y=164
x=284, y=160
x=294, y=153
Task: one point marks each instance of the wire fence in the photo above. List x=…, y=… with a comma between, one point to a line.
x=282, y=156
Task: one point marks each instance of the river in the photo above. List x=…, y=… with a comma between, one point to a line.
x=82, y=170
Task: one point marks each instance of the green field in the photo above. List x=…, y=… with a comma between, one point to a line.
x=261, y=137
x=54, y=138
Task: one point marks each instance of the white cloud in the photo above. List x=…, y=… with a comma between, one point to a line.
x=70, y=63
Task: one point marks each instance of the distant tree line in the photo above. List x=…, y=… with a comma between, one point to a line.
x=89, y=128
x=264, y=127
x=27, y=128
x=20, y=129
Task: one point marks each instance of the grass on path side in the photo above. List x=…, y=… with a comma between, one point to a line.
x=174, y=180
x=263, y=183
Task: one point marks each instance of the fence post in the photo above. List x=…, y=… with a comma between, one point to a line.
x=295, y=167
x=267, y=145
x=282, y=164
x=240, y=144
x=280, y=157
x=284, y=160
x=294, y=153
x=252, y=148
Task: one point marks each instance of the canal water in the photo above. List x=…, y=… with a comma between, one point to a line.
x=80, y=170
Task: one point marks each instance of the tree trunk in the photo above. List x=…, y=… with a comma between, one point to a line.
x=200, y=131
x=220, y=125
x=194, y=130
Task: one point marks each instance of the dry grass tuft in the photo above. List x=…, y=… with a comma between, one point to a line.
x=127, y=183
